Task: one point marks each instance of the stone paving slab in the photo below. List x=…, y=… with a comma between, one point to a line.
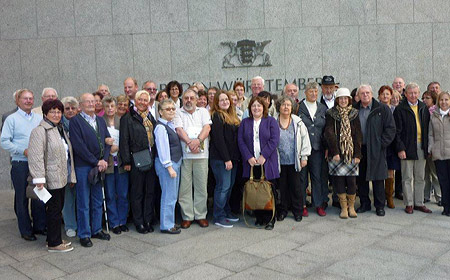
x=397, y=246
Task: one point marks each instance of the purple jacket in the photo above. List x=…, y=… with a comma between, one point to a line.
x=269, y=137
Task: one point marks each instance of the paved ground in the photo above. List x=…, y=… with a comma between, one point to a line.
x=398, y=246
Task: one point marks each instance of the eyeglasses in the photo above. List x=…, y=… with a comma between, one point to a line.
x=54, y=112
x=70, y=108
x=170, y=109
x=150, y=89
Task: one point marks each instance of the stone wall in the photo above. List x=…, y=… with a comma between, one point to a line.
x=74, y=45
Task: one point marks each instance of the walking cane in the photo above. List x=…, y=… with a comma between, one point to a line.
x=102, y=180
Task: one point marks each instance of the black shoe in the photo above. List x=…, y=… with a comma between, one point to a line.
x=124, y=228
x=380, y=212
x=141, y=229
x=258, y=223
x=270, y=226
x=399, y=196
x=363, y=209
x=439, y=203
x=117, y=230
x=173, y=230
x=40, y=232
x=101, y=235
x=30, y=237
x=149, y=227
x=281, y=216
x=426, y=200
x=336, y=204
x=298, y=218
x=308, y=204
x=86, y=242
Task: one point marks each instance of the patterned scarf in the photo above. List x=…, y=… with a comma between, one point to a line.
x=148, y=126
x=345, y=139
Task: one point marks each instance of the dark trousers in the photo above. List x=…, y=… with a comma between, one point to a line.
x=142, y=195
x=315, y=168
x=379, y=195
x=265, y=216
x=344, y=184
x=19, y=175
x=398, y=182
x=236, y=192
x=443, y=174
x=53, y=209
x=290, y=188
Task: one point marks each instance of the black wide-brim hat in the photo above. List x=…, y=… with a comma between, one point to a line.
x=328, y=80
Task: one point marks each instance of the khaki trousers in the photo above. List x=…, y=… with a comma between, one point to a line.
x=413, y=183
x=194, y=175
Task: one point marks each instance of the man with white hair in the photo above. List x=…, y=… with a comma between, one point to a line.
x=399, y=85
x=328, y=87
x=412, y=118
x=47, y=94
x=256, y=86
x=378, y=130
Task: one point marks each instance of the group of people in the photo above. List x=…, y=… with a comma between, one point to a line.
x=144, y=151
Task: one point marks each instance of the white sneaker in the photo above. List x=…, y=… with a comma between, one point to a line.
x=61, y=248
x=71, y=233
x=224, y=223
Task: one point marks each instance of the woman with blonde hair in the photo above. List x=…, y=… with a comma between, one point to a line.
x=224, y=155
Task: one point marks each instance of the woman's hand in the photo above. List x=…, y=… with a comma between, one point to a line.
x=252, y=161
x=109, y=141
x=114, y=148
x=356, y=160
x=337, y=158
x=127, y=167
x=303, y=163
x=40, y=186
x=228, y=165
x=261, y=160
x=172, y=172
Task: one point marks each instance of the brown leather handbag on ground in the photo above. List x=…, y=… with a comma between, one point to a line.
x=258, y=195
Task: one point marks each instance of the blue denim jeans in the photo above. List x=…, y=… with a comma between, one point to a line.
x=116, y=191
x=69, y=214
x=89, y=204
x=19, y=175
x=224, y=182
x=169, y=193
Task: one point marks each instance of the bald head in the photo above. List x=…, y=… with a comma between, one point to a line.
x=398, y=84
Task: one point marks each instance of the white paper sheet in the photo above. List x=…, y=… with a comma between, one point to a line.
x=43, y=194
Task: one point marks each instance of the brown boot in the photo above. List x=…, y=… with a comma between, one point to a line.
x=389, y=190
x=343, y=202
x=351, y=205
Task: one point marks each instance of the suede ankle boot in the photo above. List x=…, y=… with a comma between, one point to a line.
x=343, y=202
x=351, y=205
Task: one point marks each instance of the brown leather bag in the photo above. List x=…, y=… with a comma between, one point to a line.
x=258, y=195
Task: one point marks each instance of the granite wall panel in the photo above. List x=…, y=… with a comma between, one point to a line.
x=282, y=13
x=93, y=17
x=39, y=65
x=441, y=54
x=340, y=50
x=245, y=14
x=398, y=11
x=357, y=12
x=320, y=13
x=431, y=10
x=114, y=60
x=207, y=15
x=151, y=54
x=169, y=15
x=377, y=55
x=55, y=18
x=77, y=67
x=18, y=19
x=132, y=16
x=414, y=53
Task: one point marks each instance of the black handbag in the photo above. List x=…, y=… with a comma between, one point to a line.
x=143, y=160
